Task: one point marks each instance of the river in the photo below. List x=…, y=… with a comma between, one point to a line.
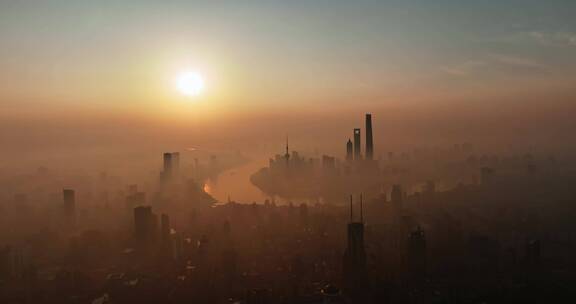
x=235, y=184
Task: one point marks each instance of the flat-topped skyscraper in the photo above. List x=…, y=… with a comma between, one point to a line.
x=145, y=224
x=369, y=142
x=167, y=164
x=170, y=166
x=69, y=206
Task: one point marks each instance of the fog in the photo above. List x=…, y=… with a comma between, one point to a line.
x=78, y=138
x=459, y=199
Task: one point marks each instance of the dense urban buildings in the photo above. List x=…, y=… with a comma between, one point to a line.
x=471, y=228
x=287, y=152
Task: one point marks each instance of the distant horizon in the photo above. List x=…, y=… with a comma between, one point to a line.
x=219, y=152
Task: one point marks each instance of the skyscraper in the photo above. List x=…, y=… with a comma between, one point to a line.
x=354, y=264
x=369, y=142
x=287, y=154
x=69, y=206
x=167, y=172
x=349, y=150
x=396, y=195
x=416, y=256
x=69, y=201
x=143, y=225
x=357, y=145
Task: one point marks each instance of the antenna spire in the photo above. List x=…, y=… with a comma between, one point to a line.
x=287, y=154
x=351, y=210
x=361, y=215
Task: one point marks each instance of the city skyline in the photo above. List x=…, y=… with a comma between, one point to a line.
x=291, y=152
x=73, y=73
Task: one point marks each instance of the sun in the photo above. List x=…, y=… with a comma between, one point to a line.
x=190, y=83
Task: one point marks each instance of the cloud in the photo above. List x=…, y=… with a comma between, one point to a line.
x=463, y=69
x=538, y=37
x=553, y=38
x=491, y=61
x=516, y=61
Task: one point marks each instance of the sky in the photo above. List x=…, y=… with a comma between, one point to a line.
x=86, y=71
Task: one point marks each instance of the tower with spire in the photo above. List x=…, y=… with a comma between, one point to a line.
x=349, y=150
x=354, y=263
x=357, y=145
x=416, y=257
x=287, y=154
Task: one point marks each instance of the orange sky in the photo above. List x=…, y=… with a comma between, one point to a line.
x=103, y=74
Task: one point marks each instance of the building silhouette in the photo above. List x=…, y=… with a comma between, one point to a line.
x=369, y=142
x=416, y=256
x=357, y=145
x=287, y=153
x=328, y=162
x=166, y=173
x=69, y=206
x=349, y=150
x=170, y=165
x=354, y=264
x=396, y=195
x=144, y=226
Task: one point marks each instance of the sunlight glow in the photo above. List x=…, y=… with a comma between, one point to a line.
x=190, y=83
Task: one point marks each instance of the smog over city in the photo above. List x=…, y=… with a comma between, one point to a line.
x=257, y=152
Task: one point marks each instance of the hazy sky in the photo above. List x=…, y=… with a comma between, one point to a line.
x=101, y=59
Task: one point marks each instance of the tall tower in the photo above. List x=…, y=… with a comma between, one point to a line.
x=369, y=143
x=69, y=201
x=69, y=206
x=167, y=172
x=416, y=256
x=143, y=225
x=354, y=264
x=349, y=150
x=287, y=154
x=357, y=145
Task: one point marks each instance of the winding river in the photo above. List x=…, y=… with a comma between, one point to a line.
x=235, y=184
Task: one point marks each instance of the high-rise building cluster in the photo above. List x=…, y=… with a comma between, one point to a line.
x=355, y=152
x=423, y=226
